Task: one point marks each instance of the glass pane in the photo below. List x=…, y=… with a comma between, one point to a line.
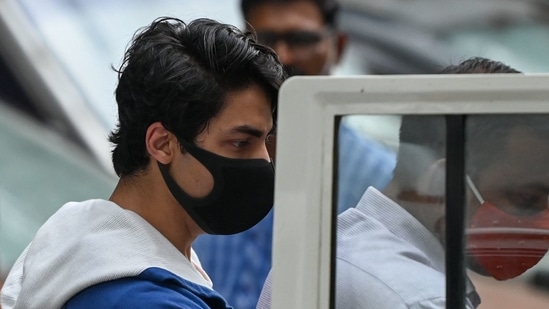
x=390, y=246
x=367, y=152
x=391, y=243
x=507, y=228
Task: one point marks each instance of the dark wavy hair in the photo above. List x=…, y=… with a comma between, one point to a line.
x=328, y=8
x=180, y=74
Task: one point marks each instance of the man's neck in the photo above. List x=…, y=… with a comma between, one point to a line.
x=152, y=201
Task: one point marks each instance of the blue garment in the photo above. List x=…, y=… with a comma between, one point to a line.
x=238, y=264
x=153, y=288
x=363, y=163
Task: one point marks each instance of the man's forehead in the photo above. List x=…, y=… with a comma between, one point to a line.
x=527, y=136
x=522, y=159
x=245, y=111
x=301, y=15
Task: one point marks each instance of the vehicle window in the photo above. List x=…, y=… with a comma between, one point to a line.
x=390, y=243
x=507, y=213
x=393, y=240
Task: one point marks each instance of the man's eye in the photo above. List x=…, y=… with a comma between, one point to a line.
x=528, y=203
x=269, y=139
x=292, y=38
x=240, y=144
x=303, y=38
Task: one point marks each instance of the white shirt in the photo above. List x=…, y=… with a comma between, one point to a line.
x=385, y=259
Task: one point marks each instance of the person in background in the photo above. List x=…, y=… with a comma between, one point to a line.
x=307, y=40
x=196, y=103
x=390, y=247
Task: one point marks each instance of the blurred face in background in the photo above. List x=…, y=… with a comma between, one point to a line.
x=298, y=34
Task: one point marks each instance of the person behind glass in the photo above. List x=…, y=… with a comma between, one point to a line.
x=390, y=247
x=196, y=103
x=305, y=36
x=397, y=260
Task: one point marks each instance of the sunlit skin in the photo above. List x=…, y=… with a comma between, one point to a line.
x=239, y=131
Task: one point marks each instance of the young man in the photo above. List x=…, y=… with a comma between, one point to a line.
x=390, y=247
x=196, y=104
x=306, y=38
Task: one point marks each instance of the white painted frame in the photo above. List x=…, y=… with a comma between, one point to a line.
x=308, y=107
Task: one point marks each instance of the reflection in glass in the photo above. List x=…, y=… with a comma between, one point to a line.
x=390, y=246
x=366, y=155
x=507, y=228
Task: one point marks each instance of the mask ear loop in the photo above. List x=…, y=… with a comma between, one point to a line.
x=474, y=189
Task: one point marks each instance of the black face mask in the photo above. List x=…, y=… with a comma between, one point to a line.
x=242, y=194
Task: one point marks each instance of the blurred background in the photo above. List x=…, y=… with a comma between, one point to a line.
x=56, y=80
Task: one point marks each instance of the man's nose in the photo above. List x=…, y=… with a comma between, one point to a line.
x=263, y=153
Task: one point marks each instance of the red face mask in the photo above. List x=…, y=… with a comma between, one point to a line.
x=506, y=245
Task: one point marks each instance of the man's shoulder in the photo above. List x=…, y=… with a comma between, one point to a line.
x=154, y=288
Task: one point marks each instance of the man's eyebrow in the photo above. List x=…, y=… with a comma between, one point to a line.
x=536, y=185
x=246, y=129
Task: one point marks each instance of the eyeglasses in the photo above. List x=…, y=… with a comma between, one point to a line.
x=294, y=39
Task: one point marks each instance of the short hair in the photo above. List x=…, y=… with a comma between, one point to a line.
x=180, y=74
x=477, y=65
x=423, y=138
x=328, y=8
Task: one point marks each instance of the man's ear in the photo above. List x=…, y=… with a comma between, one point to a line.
x=161, y=144
x=433, y=181
x=341, y=43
